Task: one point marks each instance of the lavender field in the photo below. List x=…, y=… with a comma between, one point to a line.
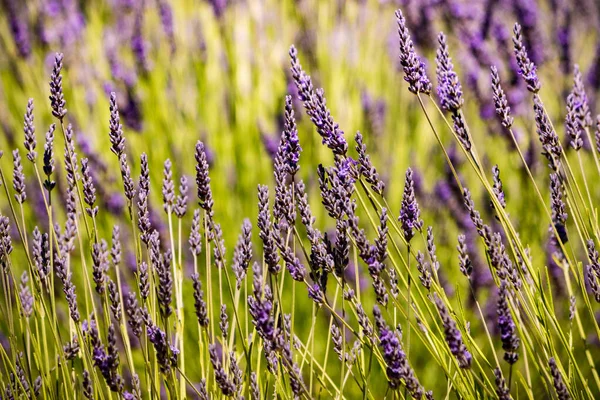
x=307, y=199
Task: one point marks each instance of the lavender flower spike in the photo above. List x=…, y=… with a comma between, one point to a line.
x=449, y=88
x=89, y=191
x=547, y=135
x=409, y=210
x=557, y=205
x=592, y=274
x=316, y=108
x=510, y=340
x=195, y=240
x=182, y=198
x=25, y=295
x=126, y=175
x=48, y=167
x=168, y=187
x=199, y=303
x=365, y=166
x=414, y=68
x=527, y=68
x=559, y=385
x=573, y=126
x=498, y=190
x=453, y=335
x=29, y=130
x=143, y=196
x=203, y=179
x=159, y=339
x=242, y=254
x=57, y=99
x=225, y=384
x=117, y=140
x=290, y=140
x=260, y=306
x=500, y=100
x=581, y=99
x=397, y=367
x=99, y=265
x=464, y=262
x=501, y=389
x=18, y=178
x=578, y=115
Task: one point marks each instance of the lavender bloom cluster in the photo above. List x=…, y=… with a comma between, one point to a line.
x=140, y=303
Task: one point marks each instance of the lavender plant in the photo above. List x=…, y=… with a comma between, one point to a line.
x=338, y=292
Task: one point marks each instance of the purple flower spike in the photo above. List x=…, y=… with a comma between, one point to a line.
x=498, y=190
x=547, y=135
x=424, y=271
x=316, y=108
x=409, y=211
x=398, y=369
x=414, y=68
x=29, y=130
x=168, y=188
x=315, y=293
x=159, y=339
x=449, y=88
x=593, y=270
x=116, y=129
x=578, y=115
x=182, y=198
x=143, y=198
x=6, y=246
x=89, y=190
x=195, y=239
x=88, y=390
x=138, y=43
x=18, y=27
x=365, y=166
x=464, y=262
x=289, y=139
x=203, y=179
x=501, y=389
x=48, y=167
x=260, y=307
x=25, y=295
x=166, y=19
x=134, y=317
x=510, y=340
x=199, y=303
x=126, y=176
x=57, y=99
x=18, y=178
x=562, y=392
x=99, y=265
x=242, y=254
x=453, y=335
x=265, y=231
x=500, y=100
x=527, y=68
x=225, y=384
x=557, y=205
x=224, y=322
